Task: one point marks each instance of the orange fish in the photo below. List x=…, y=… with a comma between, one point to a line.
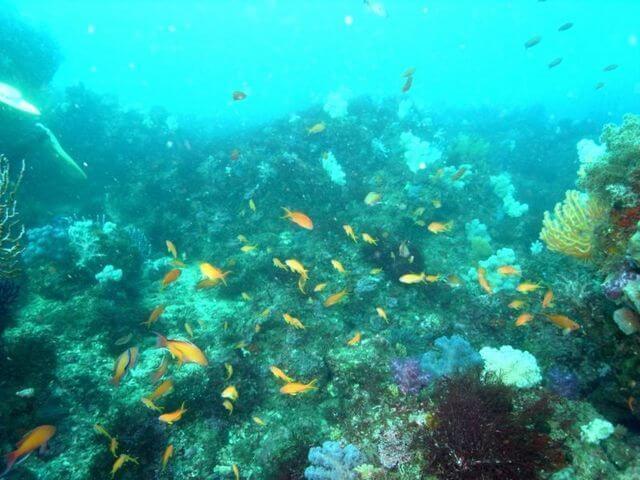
x=164, y=388
x=238, y=95
x=431, y=278
x=298, y=218
x=335, y=298
x=440, y=227
x=280, y=374
x=206, y=283
x=563, y=322
x=317, y=128
x=155, y=314
x=355, y=339
x=125, y=362
x=213, y=273
x=348, y=229
x=185, y=352
x=172, y=417
x=456, y=176
x=259, y=421
x=168, y=453
x=124, y=339
x=516, y=304
x=293, y=321
x=508, y=270
x=382, y=314
x=547, y=301
x=171, y=277
x=297, y=267
x=338, y=266
x=36, y=438
x=319, y=287
x=150, y=405
x=172, y=248
x=295, y=388
x=230, y=392
x=407, y=84
x=482, y=280
x=369, y=239
x=161, y=370
x=523, y=319
x=278, y=264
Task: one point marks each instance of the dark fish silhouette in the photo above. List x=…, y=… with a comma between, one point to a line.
x=565, y=26
x=555, y=62
x=610, y=68
x=599, y=85
x=532, y=41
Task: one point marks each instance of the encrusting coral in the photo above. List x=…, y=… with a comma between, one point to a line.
x=11, y=230
x=571, y=228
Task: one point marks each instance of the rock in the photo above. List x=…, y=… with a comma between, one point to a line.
x=627, y=320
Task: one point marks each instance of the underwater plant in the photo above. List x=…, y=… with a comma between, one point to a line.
x=571, y=229
x=477, y=434
x=11, y=229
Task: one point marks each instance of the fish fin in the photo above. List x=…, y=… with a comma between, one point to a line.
x=161, y=341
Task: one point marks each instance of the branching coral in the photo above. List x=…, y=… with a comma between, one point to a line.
x=571, y=228
x=11, y=230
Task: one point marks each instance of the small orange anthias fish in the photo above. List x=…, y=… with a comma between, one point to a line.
x=36, y=438
x=526, y=287
x=355, y=339
x=172, y=248
x=164, y=388
x=230, y=393
x=238, y=95
x=293, y=321
x=317, y=128
x=523, y=319
x=213, y=273
x=412, y=278
x=440, y=227
x=348, y=229
x=516, y=304
x=120, y=461
x=297, y=267
x=382, y=314
x=369, y=239
x=547, y=300
x=171, y=277
x=372, y=198
x=563, y=322
x=508, y=270
x=335, y=298
x=459, y=174
x=168, y=453
x=338, y=266
x=161, y=370
x=172, y=417
x=183, y=351
x=295, y=388
x=155, y=314
x=298, y=218
x=125, y=362
x=482, y=280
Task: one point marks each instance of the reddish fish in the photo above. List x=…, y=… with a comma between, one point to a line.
x=36, y=438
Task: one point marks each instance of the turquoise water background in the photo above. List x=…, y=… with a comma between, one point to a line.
x=286, y=55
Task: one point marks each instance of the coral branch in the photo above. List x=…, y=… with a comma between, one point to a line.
x=11, y=229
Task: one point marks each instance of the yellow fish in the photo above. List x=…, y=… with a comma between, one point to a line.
x=155, y=314
x=319, y=287
x=516, y=304
x=279, y=264
x=482, y=280
x=245, y=296
x=172, y=248
x=230, y=393
x=101, y=430
x=508, y=270
x=213, y=273
x=436, y=202
x=335, y=298
x=526, y=287
x=295, y=388
x=375, y=271
x=440, y=227
x=164, y=388
x=172, y=417
x=431, y=278
x=297, y=267
x=348, y=229
x=229, y=369
x=120, y=461
x=228, y=405
x=248, y=248
x=242, y=239
x=412, y=278
x=252, y=205
x=372, y=198
x=547, y=301
x=355, y=339
x=113, y=446
x=259, y=421
x=125, y=362
x=317, y=128
x=236, y=471
x=294, y=322
x=369, y=239
x=382, y=314
x=523, y=319
x=185, y=352
x=338, y=266
x=150, y=405
x=280, y=374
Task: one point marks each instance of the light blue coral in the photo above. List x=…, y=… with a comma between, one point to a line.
x=333, y=462
x=498, y=281
x=450, y=356
x=109, y=274
x=504, y=189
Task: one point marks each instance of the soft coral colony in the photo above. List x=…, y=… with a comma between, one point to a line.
x=348, y=294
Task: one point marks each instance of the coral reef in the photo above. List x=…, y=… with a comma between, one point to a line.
x=505, y=190
x=571, y=229
x=332, y=461
x=511, y=366
x=11, y=229
x=450, y=356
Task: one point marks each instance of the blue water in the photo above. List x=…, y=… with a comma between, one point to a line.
x=189, y=56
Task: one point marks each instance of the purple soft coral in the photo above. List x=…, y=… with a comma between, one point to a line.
x=408, y=375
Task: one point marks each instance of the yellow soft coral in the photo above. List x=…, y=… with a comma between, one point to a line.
x=571, y=228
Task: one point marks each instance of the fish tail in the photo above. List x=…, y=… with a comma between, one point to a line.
x=287, y=212
x=10, y=459
x=161, y=341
